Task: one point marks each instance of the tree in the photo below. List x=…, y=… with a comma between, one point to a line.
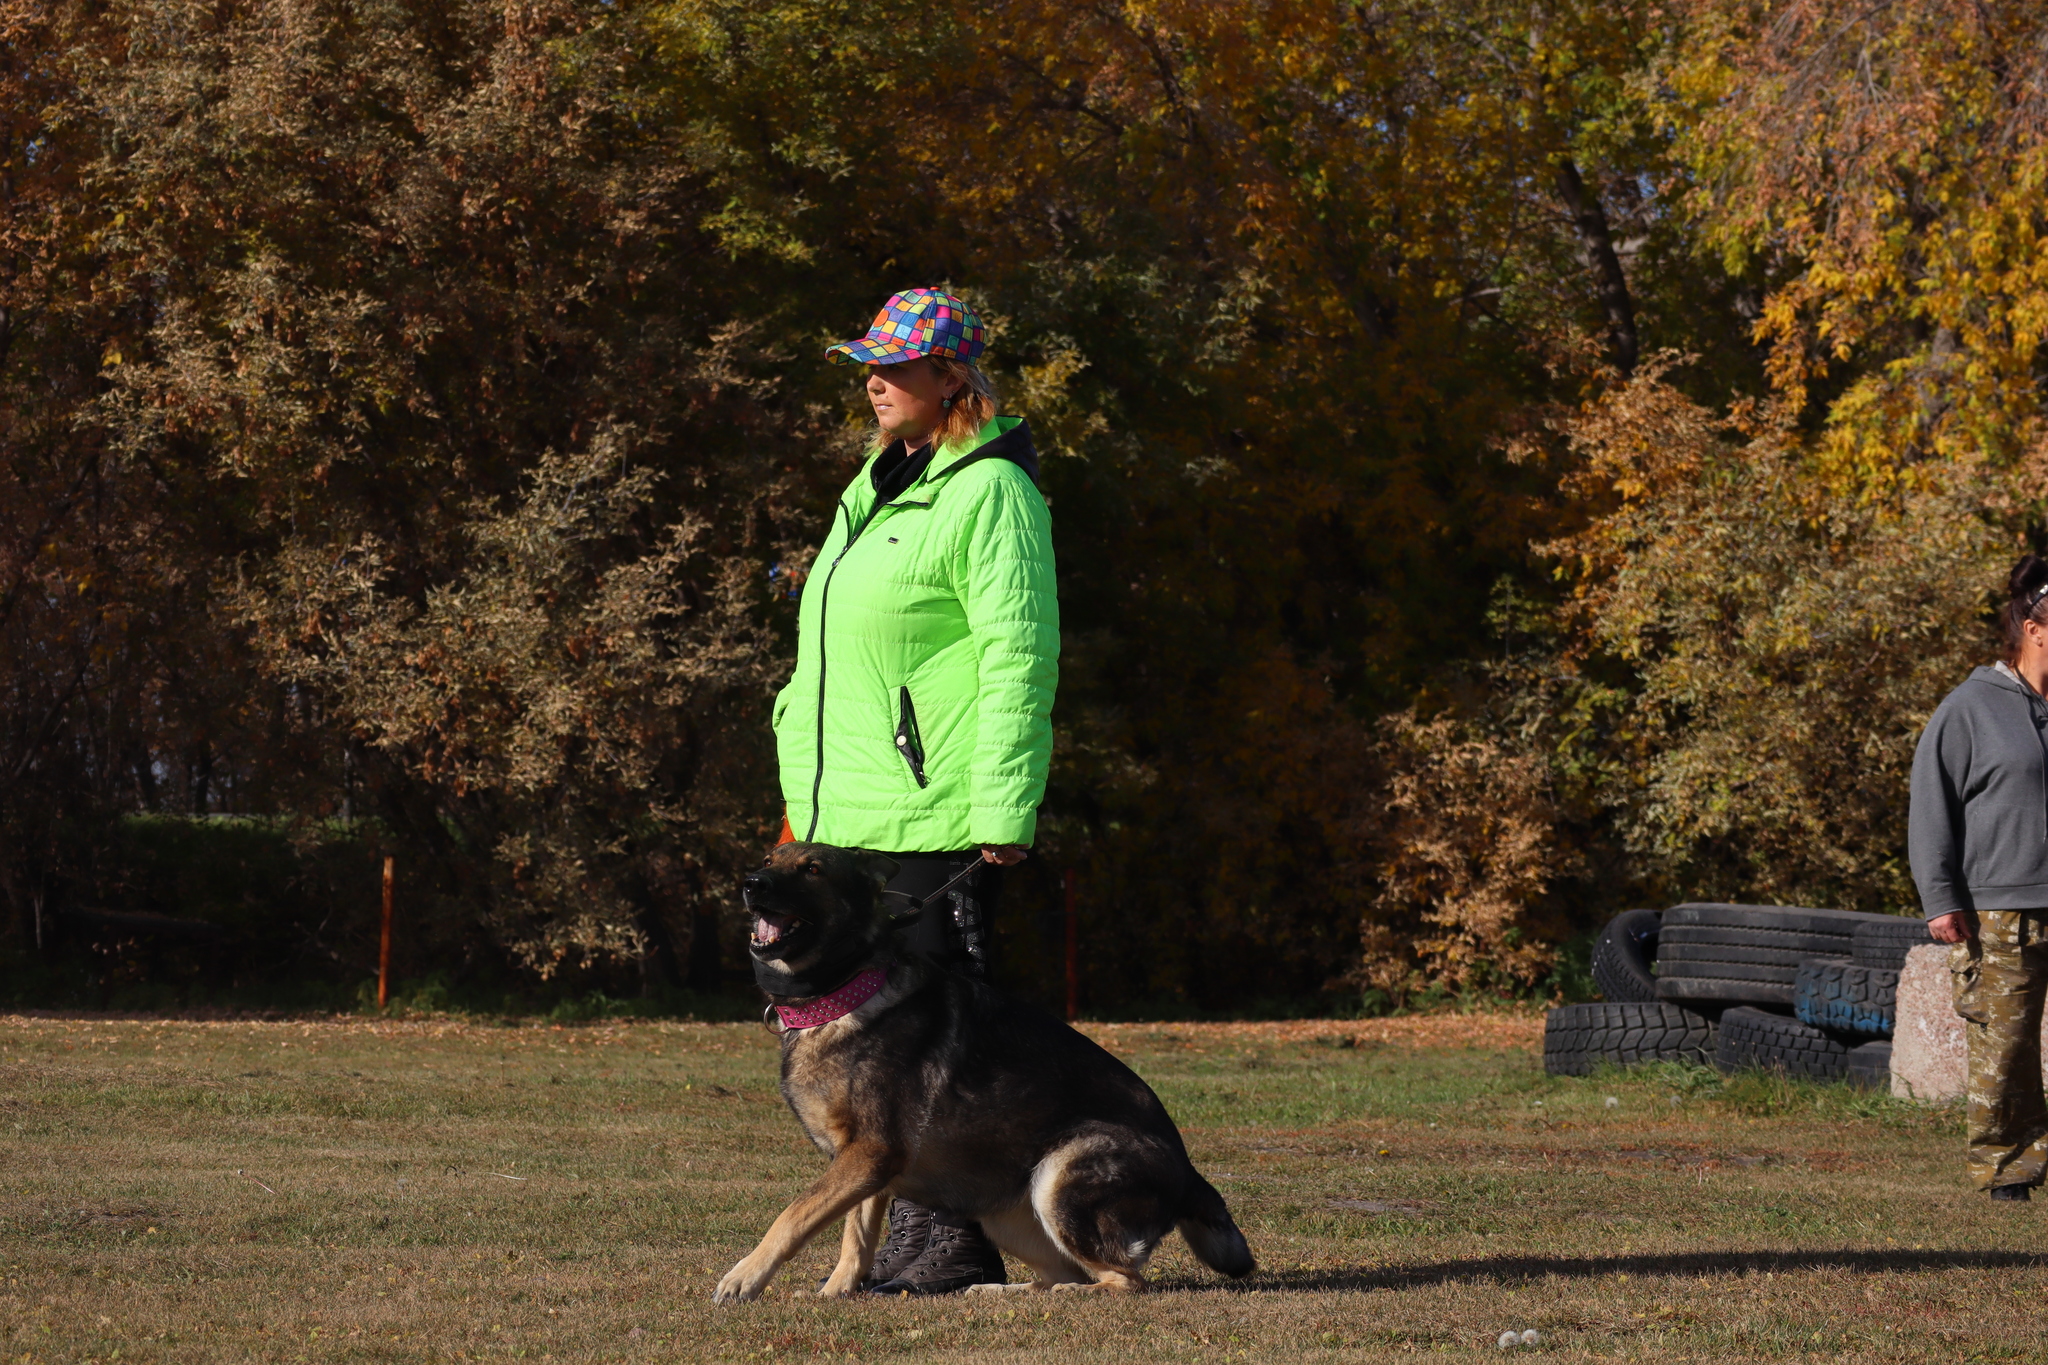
x=1885, y=161
x=1784, y=642
x=1270, y=279
x=340, y=291
x=419, y=411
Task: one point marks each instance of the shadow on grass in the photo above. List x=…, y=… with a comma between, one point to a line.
x=1506, y=1268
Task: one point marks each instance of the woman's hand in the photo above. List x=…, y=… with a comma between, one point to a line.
x=1958, y=926
x=1004, y=855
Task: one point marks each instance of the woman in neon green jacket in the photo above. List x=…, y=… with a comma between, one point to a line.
x=918, y=720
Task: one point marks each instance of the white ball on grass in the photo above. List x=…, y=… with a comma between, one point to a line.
x=1531, y=1337
x=1508, y=1339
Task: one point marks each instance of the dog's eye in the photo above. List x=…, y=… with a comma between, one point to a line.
x=814, y=870
x=767, y=860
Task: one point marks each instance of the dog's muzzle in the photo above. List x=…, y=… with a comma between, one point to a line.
x=770, y=926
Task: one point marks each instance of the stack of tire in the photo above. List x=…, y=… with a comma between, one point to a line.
x=1807, y=992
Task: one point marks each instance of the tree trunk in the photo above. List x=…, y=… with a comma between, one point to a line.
x=1597, y=241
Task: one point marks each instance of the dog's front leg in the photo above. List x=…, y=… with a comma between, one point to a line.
x=859, y=1171
x=857, y=1246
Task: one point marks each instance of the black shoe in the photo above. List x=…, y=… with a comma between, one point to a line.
x=2017, y=1193
x=910, y=1227
x=956, y=1256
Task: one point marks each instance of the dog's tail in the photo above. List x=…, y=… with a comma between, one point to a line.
x=1211, y=1232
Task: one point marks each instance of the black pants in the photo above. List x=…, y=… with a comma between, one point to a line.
x=953, y=930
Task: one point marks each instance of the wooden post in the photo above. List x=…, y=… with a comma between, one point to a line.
x=384, y=946
x=1073, y=953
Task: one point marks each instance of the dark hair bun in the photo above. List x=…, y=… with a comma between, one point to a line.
x=2027, y=577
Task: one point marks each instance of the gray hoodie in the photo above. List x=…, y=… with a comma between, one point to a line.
x=1978, y=828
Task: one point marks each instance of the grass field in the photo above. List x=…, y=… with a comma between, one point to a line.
x=440, y=1190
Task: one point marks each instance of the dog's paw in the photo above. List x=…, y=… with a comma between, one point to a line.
x=1113, y=1282
x=737, y=1287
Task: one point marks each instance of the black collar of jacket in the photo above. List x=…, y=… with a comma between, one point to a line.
x=1013, y=445
x=895, y=469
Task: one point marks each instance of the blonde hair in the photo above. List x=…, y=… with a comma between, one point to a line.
x=972, y=407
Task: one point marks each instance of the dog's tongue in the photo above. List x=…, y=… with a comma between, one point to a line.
x=769, y=929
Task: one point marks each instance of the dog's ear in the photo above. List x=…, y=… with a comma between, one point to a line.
x=878, y=866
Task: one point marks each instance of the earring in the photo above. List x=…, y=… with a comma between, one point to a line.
x=946, y=403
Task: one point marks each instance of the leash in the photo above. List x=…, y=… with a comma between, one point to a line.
x=920, y=902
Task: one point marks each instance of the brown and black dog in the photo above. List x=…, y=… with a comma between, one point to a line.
x=947, y=1093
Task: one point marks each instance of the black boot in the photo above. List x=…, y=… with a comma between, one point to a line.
x=2022, y=1193
x=910, y=1227
x=955, y=1256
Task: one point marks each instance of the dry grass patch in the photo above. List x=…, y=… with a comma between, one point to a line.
x=446, y=1190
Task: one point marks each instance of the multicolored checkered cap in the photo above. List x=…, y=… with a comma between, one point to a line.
x=913, y=323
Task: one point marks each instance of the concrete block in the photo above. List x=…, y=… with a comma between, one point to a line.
x=1930, y=1055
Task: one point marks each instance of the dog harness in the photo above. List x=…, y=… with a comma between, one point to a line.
x=837, y=1005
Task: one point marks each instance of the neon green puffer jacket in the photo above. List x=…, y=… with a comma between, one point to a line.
x=919, y=718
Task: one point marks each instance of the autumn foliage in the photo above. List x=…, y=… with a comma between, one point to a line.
x=1506, y=461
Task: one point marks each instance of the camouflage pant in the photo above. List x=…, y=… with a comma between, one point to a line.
x=2001, y=979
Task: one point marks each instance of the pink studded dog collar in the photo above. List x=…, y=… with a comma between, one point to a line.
x=837, y=1005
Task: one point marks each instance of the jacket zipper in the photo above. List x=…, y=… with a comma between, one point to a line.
x=825, y=600
x=908, y=742
x=2036, y=704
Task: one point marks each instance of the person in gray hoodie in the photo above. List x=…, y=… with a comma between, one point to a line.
x=1977, y=833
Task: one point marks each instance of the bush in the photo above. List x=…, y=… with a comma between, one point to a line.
x=1781, y=641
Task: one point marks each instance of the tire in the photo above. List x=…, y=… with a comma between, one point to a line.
x=1717, y=992
x=1885, y=941
x=1622, y=958
x=1749, y=945
x=1836, y=994
x=1778, y=1042
x=1579, y=1038
x=1764, y=956
x=1795, y=919
x=1870, y=1066
x=1746, y=954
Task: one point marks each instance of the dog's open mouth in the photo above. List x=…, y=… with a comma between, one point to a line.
x=771, y=929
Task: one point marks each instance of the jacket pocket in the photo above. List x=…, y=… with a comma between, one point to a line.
x=908, y=742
